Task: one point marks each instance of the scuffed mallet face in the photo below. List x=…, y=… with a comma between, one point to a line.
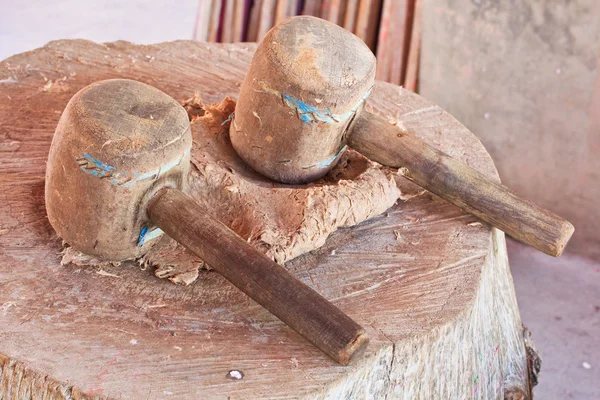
x=117, y=143
x=306, y=82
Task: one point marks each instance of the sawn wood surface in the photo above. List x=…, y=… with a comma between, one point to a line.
x=430, y=284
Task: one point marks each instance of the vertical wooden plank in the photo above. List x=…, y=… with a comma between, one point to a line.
x=350, y=14
x=336, y=11
x=267, y=16
x=412, y=65
x=384, y=44
x=227, y=26
x=254, y=21
x=281, y=8
x=215, y=19
x=368, y=21
x=361, y=19
x=238, y=20
x=202, y=26
x=294, y=7
x=325, y=6
x=402, y=23
x=312, y=7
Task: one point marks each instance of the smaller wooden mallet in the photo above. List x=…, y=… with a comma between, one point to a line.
x=302, y=102
x=117, y=166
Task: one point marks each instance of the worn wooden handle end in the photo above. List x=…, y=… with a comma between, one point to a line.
x=355, y=348
x=459, y=184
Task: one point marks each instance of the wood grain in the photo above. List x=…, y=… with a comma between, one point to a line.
x=350, y=14
x=431, y=287
x=261, y=278
x=460, y=184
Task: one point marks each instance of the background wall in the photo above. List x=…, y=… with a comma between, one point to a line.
x=523, y=76
x=26, y=25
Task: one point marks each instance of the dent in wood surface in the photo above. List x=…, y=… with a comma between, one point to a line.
x=282, y=221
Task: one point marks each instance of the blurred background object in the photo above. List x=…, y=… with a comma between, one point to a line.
x=391, y=28
x=521, y=75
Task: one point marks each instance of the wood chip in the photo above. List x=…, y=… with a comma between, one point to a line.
x=398, y=236
x=477, y=224
x=104, y=273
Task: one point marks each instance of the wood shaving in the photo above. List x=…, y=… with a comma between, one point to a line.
x=104, y=273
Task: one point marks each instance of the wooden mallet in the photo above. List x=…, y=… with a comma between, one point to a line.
x=117, y=166
x=302, y=102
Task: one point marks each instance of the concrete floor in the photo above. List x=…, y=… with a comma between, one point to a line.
x=559, y=300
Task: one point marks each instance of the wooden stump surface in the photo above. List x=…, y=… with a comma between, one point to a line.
x=429, y=283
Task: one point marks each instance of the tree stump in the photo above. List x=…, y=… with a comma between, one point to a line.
x=431, y=285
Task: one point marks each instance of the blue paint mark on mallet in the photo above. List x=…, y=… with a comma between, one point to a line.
x=309, y=113
x=92, y=166
x=146, y=235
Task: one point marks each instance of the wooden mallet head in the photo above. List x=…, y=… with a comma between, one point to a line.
x=117, y=143
x=302, y=102
x=306, y=82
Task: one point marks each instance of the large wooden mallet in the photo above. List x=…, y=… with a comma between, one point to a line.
x=302, y=101
x=117, y=166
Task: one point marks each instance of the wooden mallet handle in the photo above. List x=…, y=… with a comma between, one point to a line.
x=459, y=184
x=265, y=281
